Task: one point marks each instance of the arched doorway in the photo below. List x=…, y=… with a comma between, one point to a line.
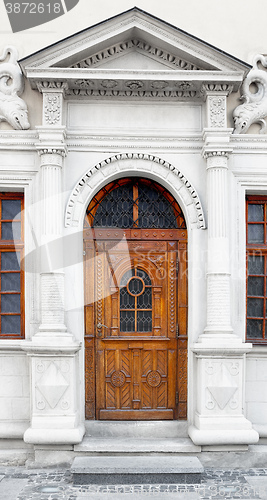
x=135, y=247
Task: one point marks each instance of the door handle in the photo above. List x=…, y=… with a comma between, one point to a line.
x=99, y=326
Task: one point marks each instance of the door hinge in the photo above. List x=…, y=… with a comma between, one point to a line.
x=177, y=330
x=84, y=252
x=176, y=397
x=177, y=266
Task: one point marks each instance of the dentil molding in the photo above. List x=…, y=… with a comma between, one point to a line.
x=190, y=190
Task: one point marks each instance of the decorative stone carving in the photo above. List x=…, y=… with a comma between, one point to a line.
x=52, y=108
x=140, y=46
x=254, y=109
x=52, y=385
x=217, y=108
x=12, y=108
x=222, y=388
x=192, y=194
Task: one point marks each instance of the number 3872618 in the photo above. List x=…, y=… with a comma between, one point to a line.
x=33, y=8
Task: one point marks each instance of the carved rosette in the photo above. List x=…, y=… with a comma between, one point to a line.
x=153, y=378
x=118, y=378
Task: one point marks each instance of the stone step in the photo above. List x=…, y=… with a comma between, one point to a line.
x=136, y=470
x=136, y=429
x=92, y=445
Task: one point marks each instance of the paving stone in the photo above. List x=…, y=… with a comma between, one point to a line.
x=137, y=496
x=10, y=488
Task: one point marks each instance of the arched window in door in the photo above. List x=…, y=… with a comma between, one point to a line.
x=135, y=203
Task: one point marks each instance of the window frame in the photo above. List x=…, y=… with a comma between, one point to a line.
x=257, y=250
x=14, y=245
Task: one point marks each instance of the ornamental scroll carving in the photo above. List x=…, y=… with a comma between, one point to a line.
x=13, y=109
x=254, y=108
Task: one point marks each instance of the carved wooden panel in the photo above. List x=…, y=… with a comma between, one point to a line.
x=137, y=374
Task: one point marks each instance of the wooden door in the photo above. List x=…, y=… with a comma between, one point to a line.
x=136, y=324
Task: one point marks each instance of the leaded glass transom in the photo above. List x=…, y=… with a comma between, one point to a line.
x=135, y=203
x=135, y=302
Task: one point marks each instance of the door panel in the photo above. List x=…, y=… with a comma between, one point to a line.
x=131, y=315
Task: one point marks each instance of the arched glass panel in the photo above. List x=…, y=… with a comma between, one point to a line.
x=135, y=203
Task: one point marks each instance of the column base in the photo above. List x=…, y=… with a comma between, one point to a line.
x=54, y=436
x=220, y=436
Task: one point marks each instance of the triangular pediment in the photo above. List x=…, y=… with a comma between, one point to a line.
x=133, y=45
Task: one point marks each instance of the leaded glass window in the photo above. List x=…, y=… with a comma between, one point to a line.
x=135, y=203
x=135, y=302
x=11, y=275
x=256, y=269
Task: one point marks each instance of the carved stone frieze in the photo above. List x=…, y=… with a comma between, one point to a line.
x=12, y=108
x=135, y=156
x=140, y=46
x=254, y=109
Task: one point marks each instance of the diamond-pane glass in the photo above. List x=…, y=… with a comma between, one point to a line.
x=9, y=261
x=254, y=328
x=136, y=286
x=255, y=213
x=115, y=210
x=255, y=308
x=142, y=274
x=154, y=210
x=255, y=264
x=135, y=203
x=127, y=321
x=126, y=300
x=10, y=324
x=255, y=233
x=10, y=208
x=136, y=302
x=255, y=286
x=144, y=321
x=144, y=301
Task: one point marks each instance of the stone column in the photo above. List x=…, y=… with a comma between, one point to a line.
x=219, y=353
x=53, y=350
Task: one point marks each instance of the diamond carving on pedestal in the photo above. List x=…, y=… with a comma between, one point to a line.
x=223, y=387
x=52, y=385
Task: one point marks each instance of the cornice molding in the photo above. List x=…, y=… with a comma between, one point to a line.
x=191, y=192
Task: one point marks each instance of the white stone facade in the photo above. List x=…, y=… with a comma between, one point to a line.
x=133, y=96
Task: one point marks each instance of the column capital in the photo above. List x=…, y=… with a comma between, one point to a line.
x=51, y=141
x=217, y=143
x=218, y=89
x=48, y=87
